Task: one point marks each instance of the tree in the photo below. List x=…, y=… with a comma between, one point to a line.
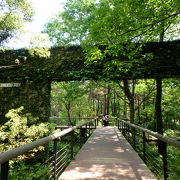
x=68, y=98
x=13, y=14
x=112, y=22
x=107, y=29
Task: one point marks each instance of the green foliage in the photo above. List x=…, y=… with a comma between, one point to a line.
x=38, y=46
x=40, y=52
x=110, y=22
x=14, y=13
x=173, y=156
x=16, y=132
x=70, y=99
x=107, y=28
x=20, y=130
x=28, y=172
x=171, y=92
x=174, y=163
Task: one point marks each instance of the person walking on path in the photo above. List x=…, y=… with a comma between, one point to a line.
x=105, y=120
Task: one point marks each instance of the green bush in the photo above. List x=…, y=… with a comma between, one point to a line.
x=18, y=131
x=24, y=171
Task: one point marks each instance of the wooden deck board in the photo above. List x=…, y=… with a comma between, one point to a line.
x=107, y=156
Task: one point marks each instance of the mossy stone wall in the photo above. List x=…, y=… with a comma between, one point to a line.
x=34, y=96
x=36, y=73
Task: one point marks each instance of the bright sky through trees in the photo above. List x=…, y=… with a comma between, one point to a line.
x=44, y=11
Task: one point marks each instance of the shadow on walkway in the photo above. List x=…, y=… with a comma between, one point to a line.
x=107, y=156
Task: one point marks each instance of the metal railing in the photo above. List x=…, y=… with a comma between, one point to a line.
x=60, y=158
x=151, y=146
x=73, y=120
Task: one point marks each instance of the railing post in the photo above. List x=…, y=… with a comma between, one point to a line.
x=164, y=156
x=127, y=131
x=55, y=159
x=144, y=147
x=86, y=130
x=89, y=129
x=80, y=138
x=4, y=171
x=118, y=124
x=72, y=145
x=123, y=127
x=134, y=137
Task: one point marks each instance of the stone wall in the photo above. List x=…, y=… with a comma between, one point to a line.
x=68, y=63
x=34, y=96
x=154, y=60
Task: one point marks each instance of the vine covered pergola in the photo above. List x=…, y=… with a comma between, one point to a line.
x=68, y=63
x=35, y=73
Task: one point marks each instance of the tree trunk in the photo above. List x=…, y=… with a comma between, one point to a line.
x=138, y=110
x=158, y=108
x=158, y=114
x=130, y=96
x=105, y=104
x=132, y=111
x=125, y=108
x=98, y=106
x=68, y=108
x=108, y=99
x=158, y=111
x=114, y=105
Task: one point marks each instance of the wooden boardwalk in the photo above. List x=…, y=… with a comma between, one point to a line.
x=107, y=156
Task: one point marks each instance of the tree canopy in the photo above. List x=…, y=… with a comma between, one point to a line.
x=110, y=22
x=103, y=27
x=13, y=14
x=114, y=30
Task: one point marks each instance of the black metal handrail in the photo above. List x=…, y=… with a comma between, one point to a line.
x=161, y=137
x=9, y=155
x=55, y=117
x=139, y=137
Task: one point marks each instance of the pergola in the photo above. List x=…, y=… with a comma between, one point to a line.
x=35, y=73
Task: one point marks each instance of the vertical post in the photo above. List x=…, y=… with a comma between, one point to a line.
x=134, y=137
x=120, y=123
x=165, y=165
x=54, y=159
x=127, y=131
x=158, y=112
x=144, y=147
x=4, y=171
x=117, y=120
x=86, y=131
x=72, y=145
x=80, y=137
x=123, y=127
x=95, y=122
x=89, y=128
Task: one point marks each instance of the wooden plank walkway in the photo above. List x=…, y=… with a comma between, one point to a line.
x=107, y=156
